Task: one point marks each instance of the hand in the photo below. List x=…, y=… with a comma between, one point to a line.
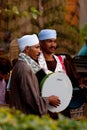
x=54, y=101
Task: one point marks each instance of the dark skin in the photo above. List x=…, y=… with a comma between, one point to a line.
x=48, y=47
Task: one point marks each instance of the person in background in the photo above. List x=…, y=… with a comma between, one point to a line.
x=24, y=88
x=54, y=63
x=6, y=41
x=5, y=67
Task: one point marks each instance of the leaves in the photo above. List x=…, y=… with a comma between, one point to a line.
x=11, y=119
x=35, y=13
x=83, y=32
x=15, y=10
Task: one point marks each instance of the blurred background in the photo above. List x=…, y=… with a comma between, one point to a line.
x=68, y=17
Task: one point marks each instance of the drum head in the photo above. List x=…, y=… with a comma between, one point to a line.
x=57, y=84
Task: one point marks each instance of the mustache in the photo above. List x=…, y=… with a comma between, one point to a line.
x=53, y=47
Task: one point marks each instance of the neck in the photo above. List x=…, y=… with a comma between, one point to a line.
x=48, y=57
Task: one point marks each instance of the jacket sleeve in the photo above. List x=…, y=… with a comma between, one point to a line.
x=31, y=94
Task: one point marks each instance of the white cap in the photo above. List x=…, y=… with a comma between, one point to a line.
x=27, y=40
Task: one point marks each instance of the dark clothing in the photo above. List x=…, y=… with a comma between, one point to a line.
x=51, y=65
x=24, y=91
x=76, y=82
x=72, y=74
x=71, y=71
x=40, y=75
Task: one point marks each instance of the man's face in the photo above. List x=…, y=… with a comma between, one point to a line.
x=48, y=46
x=34, y=51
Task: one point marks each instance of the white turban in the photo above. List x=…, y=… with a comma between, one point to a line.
x=27, y=40
x=47, y=34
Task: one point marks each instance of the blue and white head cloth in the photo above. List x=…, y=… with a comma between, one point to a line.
x=47, y=34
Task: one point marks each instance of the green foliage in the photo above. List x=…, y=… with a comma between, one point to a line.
x=35, y=13
x=11, y=119
x=69, y=33
x=67, y=124
x=83, y=32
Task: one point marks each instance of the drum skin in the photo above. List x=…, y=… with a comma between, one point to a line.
x=57, y=84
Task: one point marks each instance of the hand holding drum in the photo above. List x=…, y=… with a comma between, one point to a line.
x=54, y=101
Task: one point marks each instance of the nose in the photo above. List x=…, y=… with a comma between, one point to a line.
x=53, y=43
x=39, y=50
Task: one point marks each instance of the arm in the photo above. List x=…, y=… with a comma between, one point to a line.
x=31, y=95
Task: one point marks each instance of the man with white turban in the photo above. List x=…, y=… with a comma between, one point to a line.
x=24, y=87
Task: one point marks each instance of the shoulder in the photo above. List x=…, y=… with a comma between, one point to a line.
x=60, y=57
x=22, y=67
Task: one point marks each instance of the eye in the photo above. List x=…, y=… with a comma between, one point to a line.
x=37, y=47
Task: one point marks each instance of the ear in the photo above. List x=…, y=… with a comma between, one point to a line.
x=26, y=50
x=27, y=47
x=41, y=43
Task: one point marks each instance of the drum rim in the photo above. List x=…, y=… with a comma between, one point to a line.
x=43, y=80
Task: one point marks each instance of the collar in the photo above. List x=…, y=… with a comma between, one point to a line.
x=34, y=65
x=43, y=65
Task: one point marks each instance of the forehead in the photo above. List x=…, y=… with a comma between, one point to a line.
x=36, y=45
x=49, y=40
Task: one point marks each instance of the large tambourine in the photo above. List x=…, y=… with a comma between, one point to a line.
x=57, y=84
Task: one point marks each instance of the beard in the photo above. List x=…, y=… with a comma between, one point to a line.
x=52, y=49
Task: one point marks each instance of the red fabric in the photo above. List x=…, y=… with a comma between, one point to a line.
x=62, y=62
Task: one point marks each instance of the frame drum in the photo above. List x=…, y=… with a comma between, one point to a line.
x=57, y=84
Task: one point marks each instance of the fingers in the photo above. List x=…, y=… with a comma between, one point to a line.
x=54, y=101
x=57, y=101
